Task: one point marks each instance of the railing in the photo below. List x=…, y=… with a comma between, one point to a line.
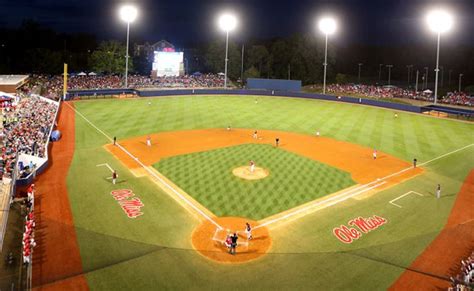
x=6, y=211
x=38, y=170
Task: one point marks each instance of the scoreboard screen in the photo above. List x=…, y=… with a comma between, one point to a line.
x=168, y=63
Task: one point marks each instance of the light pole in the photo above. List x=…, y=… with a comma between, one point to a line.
x=327, y=26
x=389, y=72
x=460, y=80
x=360, y=66
x=409, y=71
x=380, y=72
x=442, y=76
x=128, y=14
x=227, y=22
x=426, y=78
x=416, y=84
x=242, y=66
x=439, y=21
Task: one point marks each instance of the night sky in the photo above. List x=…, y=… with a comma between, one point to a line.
x=383, y=22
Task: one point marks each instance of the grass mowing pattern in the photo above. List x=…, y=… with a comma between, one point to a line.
x=293, y=180
x=406, y=137
x=112, y=245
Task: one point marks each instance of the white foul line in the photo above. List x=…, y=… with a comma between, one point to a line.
x=150, y=172
x=343, y=196
x=447, y=154
x=107, y=165
x=357, y=193
x=401, y=196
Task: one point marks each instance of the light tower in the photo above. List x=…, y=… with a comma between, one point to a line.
x=227, y=22
x=439, y=21
x=360, y=67
x=327, y=25
x=128, y=13
x=389, y=72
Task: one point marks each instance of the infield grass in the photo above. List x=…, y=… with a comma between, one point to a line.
x=293, y=180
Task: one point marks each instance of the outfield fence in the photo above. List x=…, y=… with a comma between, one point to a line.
x=109, y=93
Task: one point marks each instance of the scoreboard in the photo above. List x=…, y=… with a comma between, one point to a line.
x=168, y=64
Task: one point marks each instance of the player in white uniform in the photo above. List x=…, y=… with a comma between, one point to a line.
x=252, y=166
x=148, y=141
x=374, y=154
x=255, y=135
x=248, y=231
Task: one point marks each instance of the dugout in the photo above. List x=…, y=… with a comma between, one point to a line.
x=445, y=111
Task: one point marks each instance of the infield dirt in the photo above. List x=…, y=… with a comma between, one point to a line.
x=351, y=158
x=345, y=156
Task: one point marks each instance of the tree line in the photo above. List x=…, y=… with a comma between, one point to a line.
x=33, y=48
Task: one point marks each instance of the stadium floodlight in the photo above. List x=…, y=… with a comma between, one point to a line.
x=439, y=21
x=328, y=26
x=128, y=14
x=227, y=22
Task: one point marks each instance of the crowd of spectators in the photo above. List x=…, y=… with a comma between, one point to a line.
x=28, y=240
x=465, y=279
x=26, y=126
x=452, y=98
x=53, y=85
x=458, y=98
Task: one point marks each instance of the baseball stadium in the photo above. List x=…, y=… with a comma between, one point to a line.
x=264, y=185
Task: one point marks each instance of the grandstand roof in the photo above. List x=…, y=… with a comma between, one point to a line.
x=9, y=83
x=12, y=79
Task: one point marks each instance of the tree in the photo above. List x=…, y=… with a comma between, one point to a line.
x=280, y=53
x=215, y=58
x=252, y=72
x=44, y=60
x=110, y=58
x=341, y=78
x=259, y=57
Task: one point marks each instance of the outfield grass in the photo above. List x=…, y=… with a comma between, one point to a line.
x=406, y=137
x=293, y=180
x=154, y=251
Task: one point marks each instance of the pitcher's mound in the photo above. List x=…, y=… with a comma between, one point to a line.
x=244, y=173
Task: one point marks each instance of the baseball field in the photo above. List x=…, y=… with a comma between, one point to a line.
x=325, y=213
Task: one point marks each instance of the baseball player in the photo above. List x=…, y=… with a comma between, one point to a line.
x=252, y=166
x=374, y=154
x=115, y=140
x=414, y=162
x=317, y=133
x=438, y=191
x=114, y=177
x=255, y=135
x=277, y=141
x=248, y=231
x=233, y=245
x=148, y=141
x=228, y=242
x=228, y=128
